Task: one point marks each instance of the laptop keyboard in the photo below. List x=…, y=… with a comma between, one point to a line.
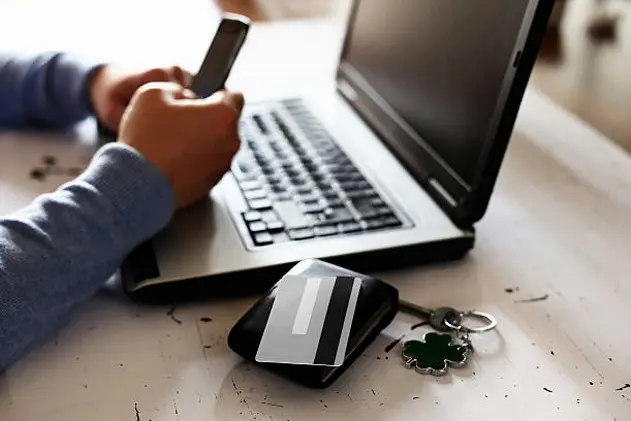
x=298, y=183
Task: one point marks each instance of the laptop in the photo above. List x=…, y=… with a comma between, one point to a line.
x=393, y=165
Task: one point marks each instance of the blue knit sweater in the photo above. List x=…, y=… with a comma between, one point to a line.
x=61, y=249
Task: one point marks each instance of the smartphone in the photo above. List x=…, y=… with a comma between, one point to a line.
x=221, y=55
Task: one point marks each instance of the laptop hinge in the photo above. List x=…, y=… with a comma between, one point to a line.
x=443, y=192
x=347, y=90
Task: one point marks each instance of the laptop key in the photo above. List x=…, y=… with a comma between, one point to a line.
x=260, y=204
x=356, y=194
x=383, y=211
x=257, y=227
x=255, y=194
x=280, y=237
x=374, y=224
x=301, y=234
x=325, y=230
x=329, y=193
x=356, y=176
x=278, y=188
x=291, y=215
x=391, y=221
x=278, y=197
x=268, y=215
x=252, y=216
x=376, y=201
x=349, y=227
x=306, y=190
x=275, y=226
x=250, y=185
x=339, y=215
x=364, y=208
x=334, y=202
x=263, y=239
x=260, y=123
x=312, y=207
x=307, y=198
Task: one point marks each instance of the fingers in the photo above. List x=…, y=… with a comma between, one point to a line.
x=181, y=76
x=234, y=100
x=168, y=90
x=173, y=74
x=183, y=94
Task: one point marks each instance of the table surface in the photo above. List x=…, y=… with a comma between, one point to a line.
x=552, y=263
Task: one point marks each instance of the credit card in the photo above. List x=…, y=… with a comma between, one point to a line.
x=310, y=321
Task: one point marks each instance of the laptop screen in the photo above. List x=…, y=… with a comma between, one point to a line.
x=439, y=66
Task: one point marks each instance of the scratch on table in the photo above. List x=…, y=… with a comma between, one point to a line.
x=547, y=390
x=626, y=386
x=587, y=359
x=137, y=412
x=416, y=326
x=272, y=404
x=574, y=343
x=171, y=314
x=533, y=300
x=201, y=340
x=393, y=344
x=175, y=407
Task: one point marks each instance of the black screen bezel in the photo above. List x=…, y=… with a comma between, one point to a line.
x=464, y=204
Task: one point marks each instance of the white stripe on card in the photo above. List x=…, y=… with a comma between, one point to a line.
x=306, y=306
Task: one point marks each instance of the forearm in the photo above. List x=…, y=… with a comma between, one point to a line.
x=63, y=247
x=48, y=90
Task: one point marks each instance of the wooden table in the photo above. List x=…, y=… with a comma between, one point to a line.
x=552, y=263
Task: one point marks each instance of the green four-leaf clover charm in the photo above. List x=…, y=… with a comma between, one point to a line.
x=434, y=354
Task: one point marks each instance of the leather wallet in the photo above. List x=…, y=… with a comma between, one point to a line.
x=376, y=307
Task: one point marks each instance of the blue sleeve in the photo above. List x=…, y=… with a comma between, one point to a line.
x=62, y=248
x=44, y=90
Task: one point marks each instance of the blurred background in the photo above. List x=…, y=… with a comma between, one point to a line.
x=584, y=66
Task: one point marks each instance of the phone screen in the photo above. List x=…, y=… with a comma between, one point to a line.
x=218, y=61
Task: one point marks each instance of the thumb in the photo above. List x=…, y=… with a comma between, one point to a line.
x=232, y=99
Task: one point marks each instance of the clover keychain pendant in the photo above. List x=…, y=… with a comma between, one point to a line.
x=436, y=352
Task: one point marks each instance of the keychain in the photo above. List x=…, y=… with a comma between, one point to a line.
x=452, y=347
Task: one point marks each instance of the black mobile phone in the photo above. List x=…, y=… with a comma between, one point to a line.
x=221, y=55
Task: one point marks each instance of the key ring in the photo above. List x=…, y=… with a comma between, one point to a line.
x=447, y=319
x=491, y=322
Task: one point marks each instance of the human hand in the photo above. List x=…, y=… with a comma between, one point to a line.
x=112, y=88
x=191, y=140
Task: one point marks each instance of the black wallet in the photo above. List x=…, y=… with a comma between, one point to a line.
x=376, y=306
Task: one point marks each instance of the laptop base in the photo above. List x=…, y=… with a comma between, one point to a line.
x=257, y=281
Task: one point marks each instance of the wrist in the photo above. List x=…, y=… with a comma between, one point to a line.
x=91, y=86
